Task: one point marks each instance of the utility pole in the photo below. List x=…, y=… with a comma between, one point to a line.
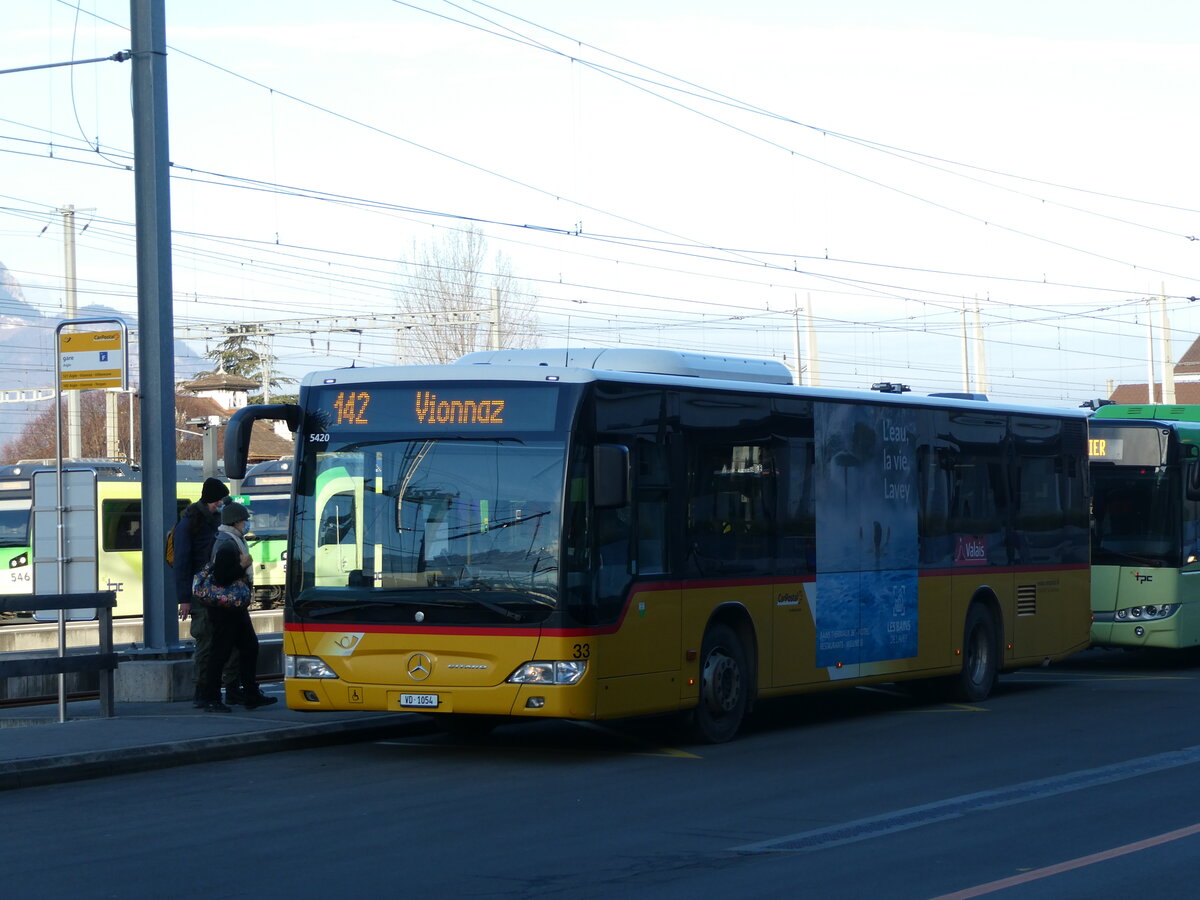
x=156, y=361
x=1149, y=354
x=266, y=362
x=1168, y=373
x=494, y=337
x=966, y=356
x=814, y=369
x=796, y=337
x=74, y=416
x=981, y=379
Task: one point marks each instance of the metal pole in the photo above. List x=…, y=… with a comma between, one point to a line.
x=494, y=336
x=966, y=356
x=1168, y=372
x=814, y=372
x=155, y=315
x=981, y=379
x=1149, y=355
x=796, y=337
x=74, y=417
x=112, y=437
x=60, y=536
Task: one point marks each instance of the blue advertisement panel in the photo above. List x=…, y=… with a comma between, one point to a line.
x=866, y=597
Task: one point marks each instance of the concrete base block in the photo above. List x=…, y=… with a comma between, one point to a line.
x=154, y=680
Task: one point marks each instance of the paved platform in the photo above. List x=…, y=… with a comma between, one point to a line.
x=37, y=749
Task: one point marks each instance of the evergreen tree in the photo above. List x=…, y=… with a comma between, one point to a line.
x=244, y=352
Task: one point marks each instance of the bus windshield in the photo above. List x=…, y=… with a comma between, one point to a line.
x=14, y=523
x=269, y=515
x=1137, y=516
x=466, y=528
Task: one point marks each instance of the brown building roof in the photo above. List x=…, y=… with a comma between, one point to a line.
x=1189, y=363
x=266, y=444
x=1186, y=392
x=220, y=381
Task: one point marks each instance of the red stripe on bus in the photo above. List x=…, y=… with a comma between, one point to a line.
x=644, y=587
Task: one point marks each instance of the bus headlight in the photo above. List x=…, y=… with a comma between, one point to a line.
x=1149, y=611
x=549, y=672
x=306, y=667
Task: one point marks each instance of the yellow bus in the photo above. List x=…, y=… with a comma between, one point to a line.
x=595, y=534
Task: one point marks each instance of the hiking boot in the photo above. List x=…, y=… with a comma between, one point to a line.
x=257, y=699
x=234, y=695
x=216, y=706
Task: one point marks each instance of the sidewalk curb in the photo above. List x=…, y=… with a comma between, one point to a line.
x=125, y=760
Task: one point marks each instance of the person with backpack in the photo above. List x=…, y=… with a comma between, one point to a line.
x=191, y=544
x=231, y=625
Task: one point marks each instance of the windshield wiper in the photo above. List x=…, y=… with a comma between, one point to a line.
x=472, y=596
x=1122, y=558
x=475, y=597
x=346, y=607
x=497, y=525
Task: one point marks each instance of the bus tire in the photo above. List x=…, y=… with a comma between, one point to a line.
x=981, y=662
x=724, y=687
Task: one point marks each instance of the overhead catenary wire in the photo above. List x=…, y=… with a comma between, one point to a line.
x=888, y=285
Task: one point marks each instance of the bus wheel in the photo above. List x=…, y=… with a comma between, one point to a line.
x=980, y=657
x=724, y=687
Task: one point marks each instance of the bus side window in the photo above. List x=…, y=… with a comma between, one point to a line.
x=652, y=485
x=731, y=511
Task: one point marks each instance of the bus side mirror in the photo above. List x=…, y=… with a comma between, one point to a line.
x=240, y=426
x=610, y=476
x=1191, y=478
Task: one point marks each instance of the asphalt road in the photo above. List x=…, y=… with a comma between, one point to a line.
x=1081, y=780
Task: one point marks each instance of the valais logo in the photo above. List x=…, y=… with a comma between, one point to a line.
x=971, y=550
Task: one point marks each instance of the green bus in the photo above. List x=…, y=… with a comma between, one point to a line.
x=266, y=491
x=1145, y=473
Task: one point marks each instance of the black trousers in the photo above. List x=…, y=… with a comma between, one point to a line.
x=231, y=628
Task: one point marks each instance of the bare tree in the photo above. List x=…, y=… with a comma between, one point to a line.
x=36, y=441
x=458, y=306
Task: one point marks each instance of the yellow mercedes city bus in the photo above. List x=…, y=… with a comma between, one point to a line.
x=594, y=534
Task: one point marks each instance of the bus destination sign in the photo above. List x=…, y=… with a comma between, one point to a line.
x=1109, y=449
x=441, y=408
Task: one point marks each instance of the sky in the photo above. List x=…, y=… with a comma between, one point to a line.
x=690, y=175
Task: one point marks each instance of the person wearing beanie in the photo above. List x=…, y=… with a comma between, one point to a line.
x=232, y=513
x=233, y=628
x=193, y=538
x=213, y=490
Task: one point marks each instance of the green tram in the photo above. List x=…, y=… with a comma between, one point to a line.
x=267, y=492
x=1145, y=473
